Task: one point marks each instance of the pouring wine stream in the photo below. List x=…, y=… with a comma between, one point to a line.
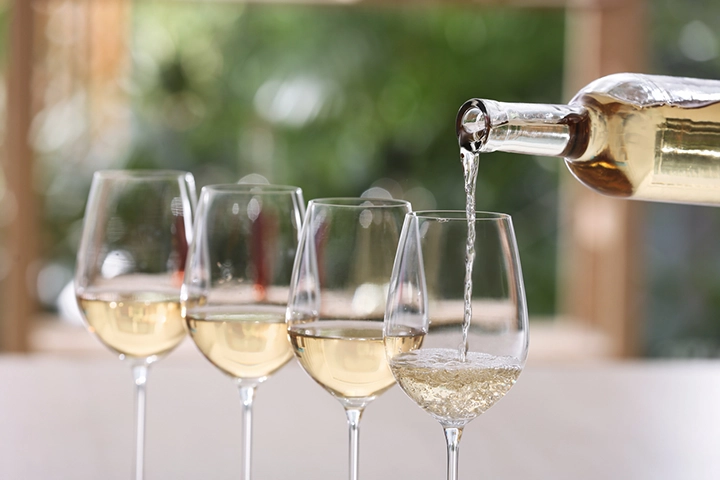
x=473, y=126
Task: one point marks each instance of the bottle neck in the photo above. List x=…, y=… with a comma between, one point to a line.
x=531, y=129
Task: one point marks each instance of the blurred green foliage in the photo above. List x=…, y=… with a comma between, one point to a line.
x=338, y=99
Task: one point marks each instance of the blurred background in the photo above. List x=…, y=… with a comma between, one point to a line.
x=348, y=99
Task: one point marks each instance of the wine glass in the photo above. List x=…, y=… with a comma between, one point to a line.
x=464, y=356
x=337, y=299
x=130, y=265
x=236, y=291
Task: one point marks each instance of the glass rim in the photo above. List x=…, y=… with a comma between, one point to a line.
x=457, y=215
x=358, y=202
x=251, y=188
x=140, y=173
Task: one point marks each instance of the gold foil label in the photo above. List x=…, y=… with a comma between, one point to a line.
x=687, y=153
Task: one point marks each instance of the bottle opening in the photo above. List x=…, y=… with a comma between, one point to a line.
x=472, y=125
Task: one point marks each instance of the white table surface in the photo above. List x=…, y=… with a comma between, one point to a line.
x=71, y=417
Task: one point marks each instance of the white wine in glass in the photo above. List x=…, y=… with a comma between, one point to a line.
x=337, y=298
x=474, y=335
x=134, y=324
x=243, y=342
x=346, y=357
x=236, y=289
x=130, y=267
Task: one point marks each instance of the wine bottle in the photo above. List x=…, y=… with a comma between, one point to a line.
x=626, y=135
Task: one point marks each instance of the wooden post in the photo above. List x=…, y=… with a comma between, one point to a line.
x=18, y=300
x=601, y=264
x=94, y=61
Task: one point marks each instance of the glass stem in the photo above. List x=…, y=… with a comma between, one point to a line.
x=247, y=395
x=140, y=372
x=452, y=437
x=353, y=418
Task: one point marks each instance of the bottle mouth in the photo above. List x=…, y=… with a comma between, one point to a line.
x=472, y=125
